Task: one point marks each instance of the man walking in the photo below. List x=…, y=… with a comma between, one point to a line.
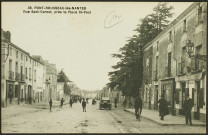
x=124, y=103
x=163, y=107
x=62, y=102
x=84, y=105
x=115, y=102
x=10, y=95
x=70, y=102
x=50, y=104
x=138, y=107
x=187, y=107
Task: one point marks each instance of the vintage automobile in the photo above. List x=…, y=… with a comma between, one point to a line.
x=105, y=103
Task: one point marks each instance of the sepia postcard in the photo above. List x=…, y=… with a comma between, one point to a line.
x=103, y=67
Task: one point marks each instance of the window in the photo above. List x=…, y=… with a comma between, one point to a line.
x=26, y=58
x=16, y=68
x=21, y=56
x=157, y=45
x=16, y=91
x=201, y=98
x=35, y=75
x=198, y=50
x=156, y=63
x=10, y=51
x=200, y=14
x=170, y=36
x=10, y=65
x=177, y=96
x=16, y=54
x=184, y=54
x=184, y=25
x=26, y=73
x=169, y=63
x=30, y=61
x=30, y=73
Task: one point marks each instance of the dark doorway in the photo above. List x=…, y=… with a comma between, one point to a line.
x=197, y=113
x=156, y=97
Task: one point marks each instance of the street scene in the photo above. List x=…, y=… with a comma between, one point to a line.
x=73, y=120
x=98, y=67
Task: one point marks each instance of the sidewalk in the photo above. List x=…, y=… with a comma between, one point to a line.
x=22, y=108
x=168, y=120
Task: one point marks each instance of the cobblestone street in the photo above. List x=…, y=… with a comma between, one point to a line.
x=73, y=120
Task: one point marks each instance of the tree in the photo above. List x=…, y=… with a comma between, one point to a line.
x=128, y=73
x=61, y=77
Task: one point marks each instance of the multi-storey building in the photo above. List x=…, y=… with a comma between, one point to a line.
x=51, y=81
x=17, y=87
x=40, y=72
x=24, y=76
x=170, y=71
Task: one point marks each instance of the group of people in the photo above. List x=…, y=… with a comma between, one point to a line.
x=163, y=107
x=84, y=103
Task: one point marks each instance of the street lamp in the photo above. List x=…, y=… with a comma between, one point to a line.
x=190, y=50
x=48, y=84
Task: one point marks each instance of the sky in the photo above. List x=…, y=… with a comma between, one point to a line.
x=80, y=44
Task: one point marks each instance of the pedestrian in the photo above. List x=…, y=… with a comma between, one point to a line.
x=50, y=104
x=87, y=100
x=138, y=107
x=62, y=102
x=187, y=107
x=84, y=105
x=124, y=103
x=115, y=102
x=163, y=107
x=70, y=102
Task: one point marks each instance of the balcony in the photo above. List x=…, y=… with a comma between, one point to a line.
x=155, y=75
x=11, y=75
x=17, y=76
x=196, y=65
x=182, y=66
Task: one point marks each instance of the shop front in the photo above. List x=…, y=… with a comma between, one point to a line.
x=168, y=91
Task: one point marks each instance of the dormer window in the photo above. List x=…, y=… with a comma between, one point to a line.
x=184, y=25
x=170, y=36
x=157, y=45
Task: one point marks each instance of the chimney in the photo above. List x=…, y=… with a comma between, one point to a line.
x=7, y=36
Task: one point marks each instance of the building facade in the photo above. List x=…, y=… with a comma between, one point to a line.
x=39, y=74
x=168, y=69
x=24, y=77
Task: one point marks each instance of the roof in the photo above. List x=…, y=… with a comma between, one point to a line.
x=172, y=23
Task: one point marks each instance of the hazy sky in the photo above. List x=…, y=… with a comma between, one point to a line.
x=78, y=43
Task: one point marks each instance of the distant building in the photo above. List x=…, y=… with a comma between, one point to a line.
x=60, y=90
x=39, y=73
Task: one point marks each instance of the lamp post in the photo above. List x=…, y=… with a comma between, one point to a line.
x=190, y=50
x=5, y=45
x=48, y=85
